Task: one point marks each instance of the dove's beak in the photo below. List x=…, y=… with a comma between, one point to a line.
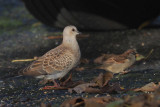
x=78, y=32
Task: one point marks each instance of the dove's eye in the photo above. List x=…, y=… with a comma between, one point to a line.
x=73, y=30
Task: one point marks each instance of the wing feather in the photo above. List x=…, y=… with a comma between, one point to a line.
x=56, y=60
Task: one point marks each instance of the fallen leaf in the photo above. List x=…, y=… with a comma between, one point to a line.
x=139, y=57
x=115, y=103
x=138, y=104
x=103, y=79
x=82, y=87
x=98, y=85
x=75, y=102
x=84, y=61
x=99, y=101
x=143, y=100
x=150, y=87
x=88, y=102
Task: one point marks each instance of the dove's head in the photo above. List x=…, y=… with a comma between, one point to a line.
x=70, y=31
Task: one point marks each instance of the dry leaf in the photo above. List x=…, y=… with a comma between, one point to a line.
x=88, y=102
x=103, y=79
x=84, y=61
x=99, y=101
x=139, y=57
x=143, y=100
x=150, y=87
x=75, y=102
x=98, y=85
x=82, y=87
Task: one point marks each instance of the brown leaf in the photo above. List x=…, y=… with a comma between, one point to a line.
x=98, y=85
x=88, y=102
x=75, y=102
x=137, y=104
x=99, y=101
x=84, y=61
x=150, y=87
x=143, y=100
x=82, y=87
x=103, y=79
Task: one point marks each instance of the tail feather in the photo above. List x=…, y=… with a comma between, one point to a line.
x=33, y=70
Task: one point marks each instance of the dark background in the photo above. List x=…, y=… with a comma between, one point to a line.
x=95, y=14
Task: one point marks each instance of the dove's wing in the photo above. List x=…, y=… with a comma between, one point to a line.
x=55, y=61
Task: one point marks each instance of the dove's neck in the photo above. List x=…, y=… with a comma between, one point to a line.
x=70, y=42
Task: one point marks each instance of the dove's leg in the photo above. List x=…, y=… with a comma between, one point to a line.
x=67, y=80
x=56, y=85
x=48, y=78
x=51, y=78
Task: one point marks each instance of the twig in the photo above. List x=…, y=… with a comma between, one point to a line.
x=25, y=60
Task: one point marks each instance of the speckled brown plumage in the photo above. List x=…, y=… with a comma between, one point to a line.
x=57, y=62
x=119, y=63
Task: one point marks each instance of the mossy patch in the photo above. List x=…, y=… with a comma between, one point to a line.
x=8, y=23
